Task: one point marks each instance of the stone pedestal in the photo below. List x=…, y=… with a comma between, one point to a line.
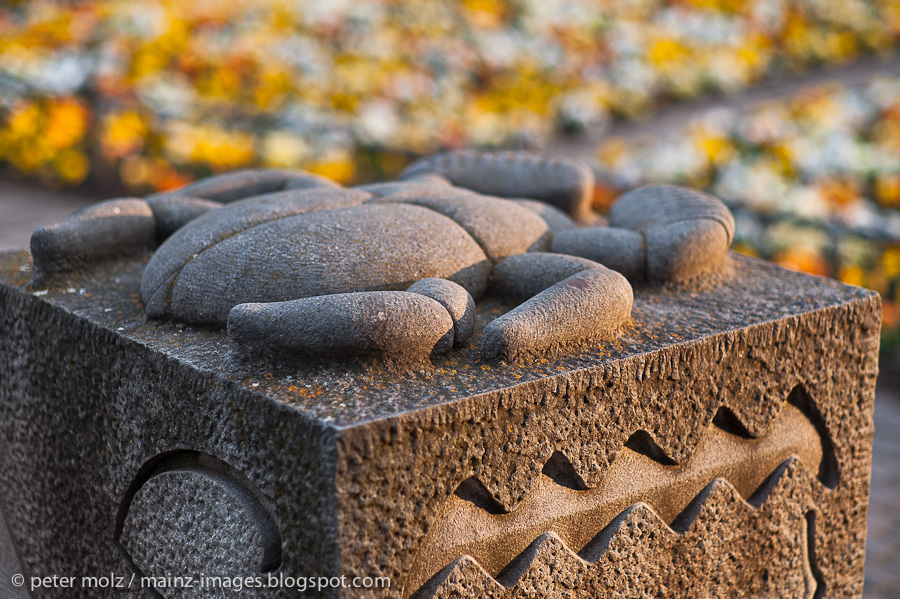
x=719, y=447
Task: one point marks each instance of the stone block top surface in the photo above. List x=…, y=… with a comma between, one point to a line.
x=347, y=393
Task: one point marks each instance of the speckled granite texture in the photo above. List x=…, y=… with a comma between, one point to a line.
x=328, y=468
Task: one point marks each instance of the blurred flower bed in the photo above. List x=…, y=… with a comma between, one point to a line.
x=813, y=179
x=150, y=93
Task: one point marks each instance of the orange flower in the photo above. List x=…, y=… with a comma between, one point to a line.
x=802, y=259
x=839, y=192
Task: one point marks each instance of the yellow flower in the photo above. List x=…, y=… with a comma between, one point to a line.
x=485, y=14
x=613, y=151
x=223, y=150
x=28, y=158
x=344, y=102
x=783, y=153
x=839, y=192
x=338, y=168
x=841, y=45
x=72, y=166
x=887, y=189
x=746, y=249
x=878, y=281
x=853, y=275
x=282, y=149
x=717, y=148
x=148, y=61
x=273, y=85
x=67, y=123
x=122, y=133
x=797, y=37
x=391, y=163
x=755, y=54
x=667, y=52
x=24, y=120
x=890, y=260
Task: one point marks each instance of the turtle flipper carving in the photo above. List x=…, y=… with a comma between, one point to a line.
x=657, y=233
x=588, y=304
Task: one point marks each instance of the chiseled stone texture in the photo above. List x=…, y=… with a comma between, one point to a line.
x=201, y=523
x=353, y=461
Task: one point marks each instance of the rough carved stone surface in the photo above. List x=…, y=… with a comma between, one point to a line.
x=184, y=521
x=352, y=465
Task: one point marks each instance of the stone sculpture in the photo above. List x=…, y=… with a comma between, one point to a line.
x=717, y=444
x=295, y=263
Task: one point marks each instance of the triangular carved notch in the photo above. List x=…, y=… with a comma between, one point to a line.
x=474, y=491
x=641, y=442
x=829, y=469
x=562, y=472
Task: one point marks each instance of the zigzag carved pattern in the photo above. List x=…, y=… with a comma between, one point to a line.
x=472, y=524
x=637, y=536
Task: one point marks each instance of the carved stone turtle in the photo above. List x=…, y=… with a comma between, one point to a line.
x=291, y=261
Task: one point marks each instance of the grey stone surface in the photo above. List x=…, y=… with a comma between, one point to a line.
x=456, y=300
x=182, y=523
x=173, y=211
x=745, y=467
x=501, y=227
x=660, y=233
x=659, y=205
x=10, y=565
x=642, y=556
x=524, y=275
x=386, y=323
x=295, y=244
x=619, y=249
x=556, y=219
x=425, y=184
x=102, y=231
x=303, y=180
x=567, y=184
x=584, y=307
x=685, y=250
x=356, y=463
